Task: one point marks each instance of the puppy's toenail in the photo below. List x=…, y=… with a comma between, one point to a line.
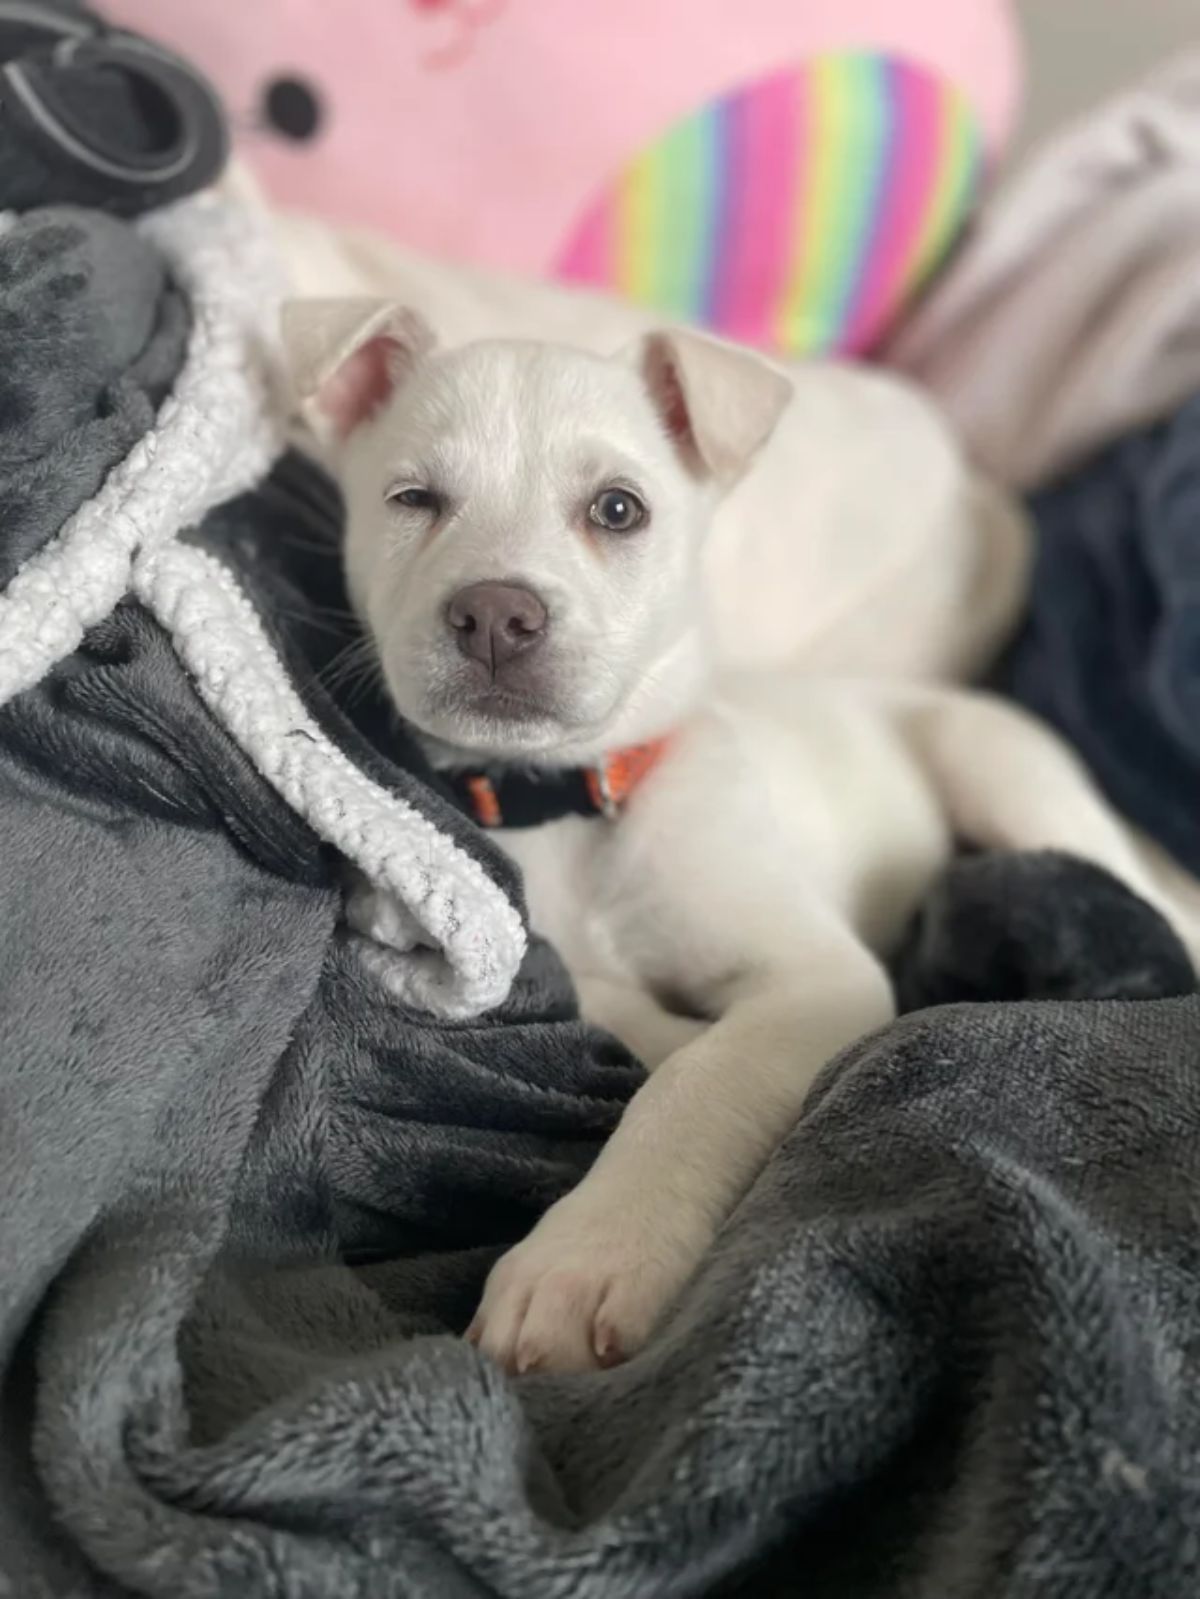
x=607, y=1347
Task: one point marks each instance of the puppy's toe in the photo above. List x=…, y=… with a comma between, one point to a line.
x=626, y=1316
x=573, y=1297
x=556, y=1332
x=498, y=1321
x=537, y=1316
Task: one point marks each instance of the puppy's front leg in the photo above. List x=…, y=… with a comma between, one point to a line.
x=641, y=1024
x=588, y=1284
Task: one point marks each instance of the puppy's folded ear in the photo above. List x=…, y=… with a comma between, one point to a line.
x=345, y=358
x=718, y=403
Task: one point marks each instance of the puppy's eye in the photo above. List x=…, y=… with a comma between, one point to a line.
x=617, y=510
x=415, y=499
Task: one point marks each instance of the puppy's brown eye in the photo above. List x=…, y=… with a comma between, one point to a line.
x=415, y=499
x=617, y=510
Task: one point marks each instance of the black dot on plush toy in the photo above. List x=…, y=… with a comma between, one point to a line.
x=293, y=108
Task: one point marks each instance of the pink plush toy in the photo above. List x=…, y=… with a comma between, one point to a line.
x=783, y=171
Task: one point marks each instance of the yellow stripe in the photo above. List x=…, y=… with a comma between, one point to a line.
x=635, y=229
x=822, y=144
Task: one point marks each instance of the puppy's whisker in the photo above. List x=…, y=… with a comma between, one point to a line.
x=353, y=670
x=351, y=658
x=321, y=620
x=338, y=613
x=357, y=687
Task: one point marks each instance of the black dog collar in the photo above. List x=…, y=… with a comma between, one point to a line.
x=526, y=798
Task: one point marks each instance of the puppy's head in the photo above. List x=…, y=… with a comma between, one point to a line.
x=525, y=521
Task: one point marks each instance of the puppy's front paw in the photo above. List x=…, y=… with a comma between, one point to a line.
x=580, y=1294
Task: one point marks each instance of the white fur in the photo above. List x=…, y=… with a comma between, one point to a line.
x=730, y=924
x=801, y=565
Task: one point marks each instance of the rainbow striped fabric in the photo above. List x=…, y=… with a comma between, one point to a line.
x=797, y=214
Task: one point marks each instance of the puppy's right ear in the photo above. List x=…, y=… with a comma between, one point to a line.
x=345, y=358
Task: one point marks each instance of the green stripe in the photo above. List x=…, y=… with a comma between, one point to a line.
x=684, y=192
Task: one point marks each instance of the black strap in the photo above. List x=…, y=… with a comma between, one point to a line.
x=524, y=798
x=102, y=117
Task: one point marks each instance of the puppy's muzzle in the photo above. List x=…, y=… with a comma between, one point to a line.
x=494, y=623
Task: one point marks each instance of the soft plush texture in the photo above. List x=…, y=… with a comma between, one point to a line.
x=1070, y=315
x=1110, y=650
x=172, y=978
x=958, y=1308
x=787, y=175
x=453, y=937
x=253, y=1173
x=1038, y=925
x=94, y=337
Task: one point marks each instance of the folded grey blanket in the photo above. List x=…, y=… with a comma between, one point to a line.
x=93, y=340
x=254, y=1165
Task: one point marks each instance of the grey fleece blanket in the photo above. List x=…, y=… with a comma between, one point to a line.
x=93, y=339
x=254, y=1164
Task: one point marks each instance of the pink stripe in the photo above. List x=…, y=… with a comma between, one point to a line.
x=755, y=255
x=589, y=258
x=908, y=193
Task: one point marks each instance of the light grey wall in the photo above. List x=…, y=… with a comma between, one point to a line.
x=1077, y=51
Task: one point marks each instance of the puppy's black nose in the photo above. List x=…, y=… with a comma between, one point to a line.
x=493, y=622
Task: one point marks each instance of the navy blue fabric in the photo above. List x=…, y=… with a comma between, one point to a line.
x=1110, y=653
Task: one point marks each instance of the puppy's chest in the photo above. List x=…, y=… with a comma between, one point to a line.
x=581, y=890
x=629, y=898
x=761, y=801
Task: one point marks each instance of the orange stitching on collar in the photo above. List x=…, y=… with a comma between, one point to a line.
x=485, y=803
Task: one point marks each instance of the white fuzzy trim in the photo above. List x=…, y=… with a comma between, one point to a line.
x=215, y=437
x=457, y=940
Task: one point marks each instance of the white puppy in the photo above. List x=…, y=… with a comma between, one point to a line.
x=524, y=540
